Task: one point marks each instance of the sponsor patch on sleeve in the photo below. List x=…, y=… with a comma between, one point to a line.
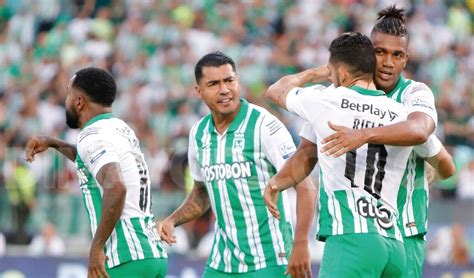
x=95, y=152
x=287, y=149
x=422, y=102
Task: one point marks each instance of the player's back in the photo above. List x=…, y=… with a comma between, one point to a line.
x=354, y=185
x=105, y=140
x=113, y=137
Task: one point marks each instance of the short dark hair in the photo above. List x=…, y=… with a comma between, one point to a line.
x=354, y=50
x=391, y=21
x=96, y=83
x=213, y=59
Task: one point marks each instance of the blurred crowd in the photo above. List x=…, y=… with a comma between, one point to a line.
x=151, y=47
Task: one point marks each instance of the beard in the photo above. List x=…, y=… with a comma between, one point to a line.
x=72, y=119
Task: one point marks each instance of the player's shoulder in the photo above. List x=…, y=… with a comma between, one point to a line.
x=263, y=114
x=261, y=111
x=317, y=88
x=200, y=125
x=102, y=130
x=417, y=87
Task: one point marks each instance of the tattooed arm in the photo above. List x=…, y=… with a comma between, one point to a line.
x=195, y=205
x=38, y=144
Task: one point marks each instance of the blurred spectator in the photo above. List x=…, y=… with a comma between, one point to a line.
x=21, y=187
x=465, y=188
x=449, y=247
x=48, y=243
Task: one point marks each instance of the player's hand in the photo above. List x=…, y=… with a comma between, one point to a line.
x=96, y=263
x=344, y=140
x=165, y=229
x=300, y=261
x=322, y=74
x=270, y=196
x=35, y=145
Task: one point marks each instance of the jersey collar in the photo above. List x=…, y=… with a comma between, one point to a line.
x=400, y=83
x=244, y=106
x=367, y=92
x=98, y=118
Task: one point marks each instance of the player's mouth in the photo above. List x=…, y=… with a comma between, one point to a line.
x=225, y=100
x=385, y=75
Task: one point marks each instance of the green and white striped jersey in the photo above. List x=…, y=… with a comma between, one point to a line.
x=414, y=190
x=104, y=140
x=358, y=191
x=235, y=167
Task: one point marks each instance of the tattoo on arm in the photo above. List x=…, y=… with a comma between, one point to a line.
x=68, y=150
x=195, y=205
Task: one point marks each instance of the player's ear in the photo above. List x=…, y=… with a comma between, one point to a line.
x=406, y=59
x=343, y=75
x=198, y=91
x=80, y=102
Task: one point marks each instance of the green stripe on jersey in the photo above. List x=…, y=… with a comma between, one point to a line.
x=240, y=208
x=397, y=92
x=413, y=198
x=91, y=194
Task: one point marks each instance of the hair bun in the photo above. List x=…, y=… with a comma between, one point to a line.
x=392, y=12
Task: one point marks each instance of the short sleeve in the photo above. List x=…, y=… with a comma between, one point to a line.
x=300, y=100
x=307, y=133
x=194, y=168
x=279, y=145
x=97, y=150
x=430, y=148
x=419, y=98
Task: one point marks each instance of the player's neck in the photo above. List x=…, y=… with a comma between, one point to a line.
x=366, y=84
x=89, y=114
x=222, y=122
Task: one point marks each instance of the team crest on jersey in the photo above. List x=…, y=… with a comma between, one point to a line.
x=239, y=142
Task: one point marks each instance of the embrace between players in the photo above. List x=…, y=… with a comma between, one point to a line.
x=371, y=131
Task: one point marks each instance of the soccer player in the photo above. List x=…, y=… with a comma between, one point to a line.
x=233, y=152
x=390, y=39
x=358, y=193
x=114, y=180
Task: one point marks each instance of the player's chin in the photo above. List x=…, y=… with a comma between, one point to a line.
x=382, y=84
x=227, y=108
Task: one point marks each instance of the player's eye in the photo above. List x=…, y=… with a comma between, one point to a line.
x=399, y=54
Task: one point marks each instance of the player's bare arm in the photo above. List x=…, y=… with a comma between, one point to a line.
x=299, y=264
x=114, y=192
x=293, y=171
x=195, y=205
x=39, y=144
x=443, y=164
x=279, y=90
x=414, y=131
x=293, y=174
